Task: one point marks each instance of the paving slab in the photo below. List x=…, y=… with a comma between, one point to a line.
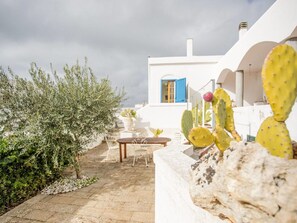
x=122, y=194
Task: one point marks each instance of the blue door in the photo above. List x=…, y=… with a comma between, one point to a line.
x=180, y=90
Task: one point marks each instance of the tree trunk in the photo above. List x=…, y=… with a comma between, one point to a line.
x=77, y=167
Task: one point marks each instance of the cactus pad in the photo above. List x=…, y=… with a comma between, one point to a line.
x=187, y=123
x=201, y=137
x=222, y=139
x=221, y=94
x=236, y=136
x=274, y=136
x=279, y=76
x=229, y=126
x=220, y=113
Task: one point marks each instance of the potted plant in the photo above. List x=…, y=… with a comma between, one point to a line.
x=127, y=116
x=156, y=132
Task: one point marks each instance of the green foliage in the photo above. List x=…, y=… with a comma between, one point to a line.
x=128, y=113
x=156, y=132
x=197, y=114
x=22, y=173
x=61, y=112
x=45, y=122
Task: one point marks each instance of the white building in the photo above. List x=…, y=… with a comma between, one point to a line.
x=175, y=83
x=173, y=86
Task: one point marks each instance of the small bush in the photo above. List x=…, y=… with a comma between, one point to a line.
x=22, y=173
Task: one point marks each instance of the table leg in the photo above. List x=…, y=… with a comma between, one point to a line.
x=125, y=150
x=120, y=147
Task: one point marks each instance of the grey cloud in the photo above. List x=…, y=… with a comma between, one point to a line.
x=117, y=36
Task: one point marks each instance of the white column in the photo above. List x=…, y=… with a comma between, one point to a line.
x=189, y=47
x=239, y=88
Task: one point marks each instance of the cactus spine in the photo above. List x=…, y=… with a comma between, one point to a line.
x=187, y=123
x=279, y=76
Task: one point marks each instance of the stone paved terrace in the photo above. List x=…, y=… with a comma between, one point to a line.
x=122, y=194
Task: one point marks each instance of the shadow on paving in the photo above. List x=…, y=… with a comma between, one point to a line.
x=122, y=194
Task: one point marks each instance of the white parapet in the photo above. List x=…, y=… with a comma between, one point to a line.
x=172, y=198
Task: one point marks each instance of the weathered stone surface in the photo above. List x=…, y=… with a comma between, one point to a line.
x=246, y=185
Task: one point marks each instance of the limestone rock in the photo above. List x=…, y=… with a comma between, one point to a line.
x=246, y=185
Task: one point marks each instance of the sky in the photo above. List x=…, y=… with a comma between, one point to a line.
x=118, y=36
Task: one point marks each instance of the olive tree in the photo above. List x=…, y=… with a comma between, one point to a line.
x=62, y=112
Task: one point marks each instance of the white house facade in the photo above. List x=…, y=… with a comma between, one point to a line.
x=177, y=79
x=278, y=25
x=173, y=86
x=239, y=70
x=175, y=83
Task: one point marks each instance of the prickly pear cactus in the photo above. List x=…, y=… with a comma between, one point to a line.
x=221, y=94
x=274, y=135
x=187, y=123
x=279, y=77
x=201, y=137
x=222, y=108
x=222, y=139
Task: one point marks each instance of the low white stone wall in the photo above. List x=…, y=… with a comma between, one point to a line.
x=163, y=115
x=249, y=119
x=172, y=198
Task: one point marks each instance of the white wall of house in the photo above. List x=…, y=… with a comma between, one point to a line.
x=197, y=70
x=249, y=52
x=165, y=115
x=277, y=24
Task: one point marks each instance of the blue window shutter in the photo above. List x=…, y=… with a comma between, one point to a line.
x=180, y=90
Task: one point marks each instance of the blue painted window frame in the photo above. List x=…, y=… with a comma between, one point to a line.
x=180, y=90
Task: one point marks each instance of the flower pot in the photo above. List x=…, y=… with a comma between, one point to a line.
x=128, y=123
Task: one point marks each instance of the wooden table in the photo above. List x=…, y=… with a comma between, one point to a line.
x=139, y=140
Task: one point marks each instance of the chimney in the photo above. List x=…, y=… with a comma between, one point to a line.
x=189, y=47
x=243, y=28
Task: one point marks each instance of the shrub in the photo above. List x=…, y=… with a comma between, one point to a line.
x=22, y=173
x=64, y=112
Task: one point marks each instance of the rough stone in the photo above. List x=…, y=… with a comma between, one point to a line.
x=246, y=185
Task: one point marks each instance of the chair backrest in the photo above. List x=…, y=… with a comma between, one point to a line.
x=111, y=141
x=142, y=132
x=139, y=143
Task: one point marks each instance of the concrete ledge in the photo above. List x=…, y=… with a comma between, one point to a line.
x=172, y=198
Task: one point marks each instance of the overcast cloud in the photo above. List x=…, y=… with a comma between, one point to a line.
x=117, y=36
